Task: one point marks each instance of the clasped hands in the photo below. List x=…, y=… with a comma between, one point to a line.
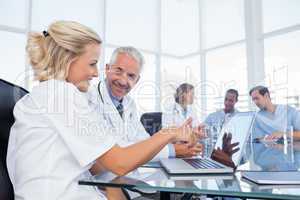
x=188, y=134
x=187, y=137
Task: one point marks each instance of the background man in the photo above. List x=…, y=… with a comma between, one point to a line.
x=273, y=120
x=219, y=118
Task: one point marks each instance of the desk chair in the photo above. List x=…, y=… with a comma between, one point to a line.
x=9, y=95
x=151, y=122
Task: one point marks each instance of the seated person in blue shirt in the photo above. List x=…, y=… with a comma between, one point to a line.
x=273, y=120
x=219, y=118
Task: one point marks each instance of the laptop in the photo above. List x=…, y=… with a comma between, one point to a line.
x=239, y=126
x=273, y=178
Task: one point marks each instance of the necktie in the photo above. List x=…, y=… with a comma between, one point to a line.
x=120, y=109
x=185, y=113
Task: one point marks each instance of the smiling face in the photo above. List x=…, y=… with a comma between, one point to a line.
x=84, y=68
x=122, y=75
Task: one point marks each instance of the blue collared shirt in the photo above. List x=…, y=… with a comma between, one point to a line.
x=282, y=119
x=218, y=118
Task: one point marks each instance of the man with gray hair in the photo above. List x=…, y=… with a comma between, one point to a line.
x=119, y=111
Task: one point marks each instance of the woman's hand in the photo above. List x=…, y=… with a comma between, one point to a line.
x=199, y=131
x=184, y=133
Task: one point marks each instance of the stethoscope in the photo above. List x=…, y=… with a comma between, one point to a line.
x=101, y=97
x=177, y=116
x=106, y=118
x=102, y=100
x=177, y=111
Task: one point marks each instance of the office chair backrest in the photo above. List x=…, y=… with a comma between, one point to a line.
x=9, y=95
x=151, y=122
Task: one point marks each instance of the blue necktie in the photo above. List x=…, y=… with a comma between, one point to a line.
x=120, y=109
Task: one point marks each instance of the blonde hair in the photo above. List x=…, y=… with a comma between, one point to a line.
x=50, y=54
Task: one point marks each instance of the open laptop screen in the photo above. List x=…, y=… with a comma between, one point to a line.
x=239, y=126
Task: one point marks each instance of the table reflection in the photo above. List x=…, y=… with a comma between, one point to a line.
x=273, y=156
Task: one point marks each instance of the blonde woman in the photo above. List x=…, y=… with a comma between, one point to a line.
x=56, y=139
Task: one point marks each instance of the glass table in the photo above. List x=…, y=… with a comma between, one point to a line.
x=257, y=157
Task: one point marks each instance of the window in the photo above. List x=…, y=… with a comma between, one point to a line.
x=132, y=22
x=145, y=92
x=279, y=14
x=8, y=10
x=87, y=12
x=180, y=27
x=226, y=68
x=282, y=67
x=12, y=51
x=175, y=72
x=223, y=21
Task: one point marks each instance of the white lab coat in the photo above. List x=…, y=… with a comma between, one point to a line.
x=174, y=116
x=53, y=143
x=129, y=130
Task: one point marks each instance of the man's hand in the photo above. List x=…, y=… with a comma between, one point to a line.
x=224, y=155
x=187, y=150
x=227, y=147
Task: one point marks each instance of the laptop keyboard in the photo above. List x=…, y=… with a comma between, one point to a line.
x=202, y=163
